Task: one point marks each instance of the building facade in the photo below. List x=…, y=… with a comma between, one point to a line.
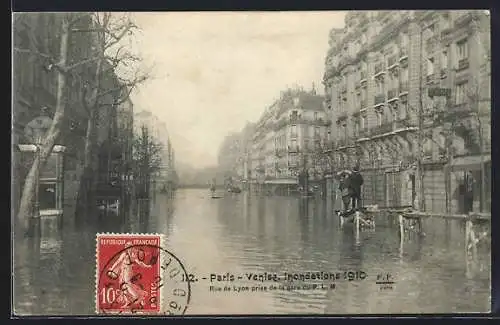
x=34, y=90
x=167, y=175
x=408, y=94
x=288, y=139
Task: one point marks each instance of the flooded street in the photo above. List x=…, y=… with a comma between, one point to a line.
x=241, y=233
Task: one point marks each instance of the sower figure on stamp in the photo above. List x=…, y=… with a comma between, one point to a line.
x=355, y=182
x=122, y=269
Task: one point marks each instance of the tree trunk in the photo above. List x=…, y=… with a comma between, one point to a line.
x=45, y=149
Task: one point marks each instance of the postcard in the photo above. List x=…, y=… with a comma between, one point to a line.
x=251, y=163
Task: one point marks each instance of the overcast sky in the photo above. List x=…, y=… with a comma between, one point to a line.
x=215, y=71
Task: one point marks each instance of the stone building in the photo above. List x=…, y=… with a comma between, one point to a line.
x=34, y=89
x=287, y=139
x=408, y=93
x=167, y=174
x=36, y=39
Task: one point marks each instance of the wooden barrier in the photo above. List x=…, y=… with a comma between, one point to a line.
x=411, y=222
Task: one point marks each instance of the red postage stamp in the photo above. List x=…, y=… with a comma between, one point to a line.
x=128, y=269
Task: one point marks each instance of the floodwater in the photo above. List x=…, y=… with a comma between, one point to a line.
x=54, y=271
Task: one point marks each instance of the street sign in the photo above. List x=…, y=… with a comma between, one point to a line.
x=439, y=92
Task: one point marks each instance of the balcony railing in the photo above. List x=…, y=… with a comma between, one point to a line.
x=392, y=62
x=381, y=129
x=404, y=87
x=403, y=123
x=379, y=68
x=364, y=133
x=392, y=94
x=309, y=120
x=293, y=163
x=342, y=142
x=379, y=99
x=293, y=148
x=463, y=64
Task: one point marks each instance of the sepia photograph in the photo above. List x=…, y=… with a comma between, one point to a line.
x=251, y=163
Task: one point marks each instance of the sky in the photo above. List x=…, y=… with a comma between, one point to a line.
x=213, y=72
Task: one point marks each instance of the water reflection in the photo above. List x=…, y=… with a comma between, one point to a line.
x=54, y=271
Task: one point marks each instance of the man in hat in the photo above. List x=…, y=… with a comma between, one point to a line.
x=344, y=188
x=355, y=182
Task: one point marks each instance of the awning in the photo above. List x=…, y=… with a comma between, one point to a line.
x=469, y=162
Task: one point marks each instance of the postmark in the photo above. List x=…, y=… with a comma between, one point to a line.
x=136, y=274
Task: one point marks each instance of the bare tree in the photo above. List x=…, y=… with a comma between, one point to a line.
x=60, y=65
x=147, y=160
x=107, y=56
x=115, y=74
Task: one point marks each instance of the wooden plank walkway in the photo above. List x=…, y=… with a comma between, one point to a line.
x=410, y=222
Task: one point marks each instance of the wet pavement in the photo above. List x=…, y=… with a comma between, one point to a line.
x=54, y=272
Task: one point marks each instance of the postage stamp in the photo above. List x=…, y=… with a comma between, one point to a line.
x=135, y=274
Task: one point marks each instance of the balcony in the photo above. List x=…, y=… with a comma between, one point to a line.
x=379, y=69
x=293, y=149
x=293, y=163
x=341, y=143
x=381, y=129
x=392, y=62
x=463, y=64
x=403, y=54
x=309, y=120
x=404, y=87
x=364, y=133
x=379, y=99
x=403, y=123
x=392, y=94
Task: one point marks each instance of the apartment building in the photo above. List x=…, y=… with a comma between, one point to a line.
x=407, y=89
x=158, y=131
x=288, y=138
x=34, y=98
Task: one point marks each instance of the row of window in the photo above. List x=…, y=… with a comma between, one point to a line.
x=461, y=49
